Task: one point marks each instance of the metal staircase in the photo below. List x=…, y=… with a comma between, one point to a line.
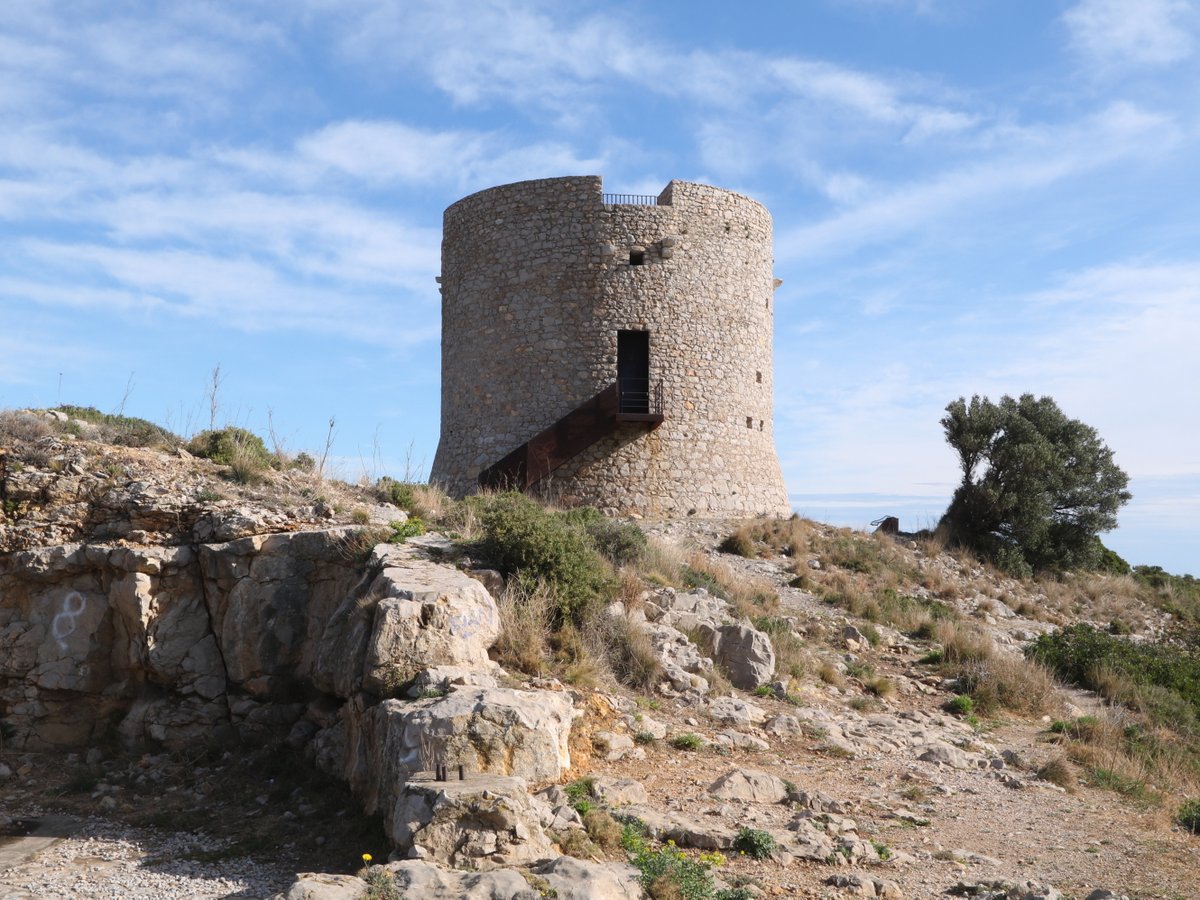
x=583, y=426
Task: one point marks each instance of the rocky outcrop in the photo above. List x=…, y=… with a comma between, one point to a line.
x=272, y=635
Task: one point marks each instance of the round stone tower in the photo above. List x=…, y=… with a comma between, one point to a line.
x=612, y=350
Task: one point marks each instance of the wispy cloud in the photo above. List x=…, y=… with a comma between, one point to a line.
x=1033, y=158
x=1114, y=34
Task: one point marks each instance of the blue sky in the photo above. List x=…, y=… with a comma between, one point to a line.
x=970, y=196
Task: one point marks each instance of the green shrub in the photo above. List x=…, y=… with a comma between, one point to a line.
x=962, y=705
x=523, y=539
x=622, y=543
x=398, y=493
x=754, y=842
x=230, y=445
x=687, y=741
x=402, y=531
x=1188, y=816
x=579, y=792
x=667, y=873
x=128, y=431
x=381, y=885
x=1166, y=678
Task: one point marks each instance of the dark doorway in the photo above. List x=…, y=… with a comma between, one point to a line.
x=633, y=371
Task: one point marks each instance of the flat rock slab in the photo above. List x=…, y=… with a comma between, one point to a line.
x=39, y=834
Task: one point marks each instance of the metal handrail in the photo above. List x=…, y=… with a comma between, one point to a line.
x=630, y=200
x=639, y=396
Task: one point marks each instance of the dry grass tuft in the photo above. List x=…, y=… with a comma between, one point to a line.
x=525, y=617
x=1058, y=770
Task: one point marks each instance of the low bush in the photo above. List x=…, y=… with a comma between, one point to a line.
x=243, y=451
x=1058, y=771
x=739, y=544
x=621, y=543
x=1161, y=679
x=962, y=705
x=754, y=842
x=128, y=431
x=523, y=539
x=1188, y=816
x=667, y=873
x=687, y=741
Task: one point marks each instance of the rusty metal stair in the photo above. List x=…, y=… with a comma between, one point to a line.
x=568, y=437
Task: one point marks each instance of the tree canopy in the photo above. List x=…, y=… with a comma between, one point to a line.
x=1037, y=487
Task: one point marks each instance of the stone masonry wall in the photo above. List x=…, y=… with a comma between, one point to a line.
x=536, y=283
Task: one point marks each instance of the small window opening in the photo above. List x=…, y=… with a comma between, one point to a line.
x=637, y=256
x=758, y=377
x=760, y=424
x=749, y=421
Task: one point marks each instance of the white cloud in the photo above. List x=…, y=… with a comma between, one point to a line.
x=1031, y=159
x=1113, y=34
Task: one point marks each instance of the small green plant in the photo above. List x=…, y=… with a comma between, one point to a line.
x=402, y=531
x=735, y=893
x=961, y=705
x=398, y=493
x=1188, y=816
x=883, y=850
x=381, y=885
x=579, y=792
x=644, y=737
x=764, y=690
x=687, y=741
x=754, y=842
x=667, y=873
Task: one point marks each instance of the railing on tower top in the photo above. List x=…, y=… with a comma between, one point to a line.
x=630, y=199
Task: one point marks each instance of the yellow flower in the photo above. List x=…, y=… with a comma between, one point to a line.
x=367, y=858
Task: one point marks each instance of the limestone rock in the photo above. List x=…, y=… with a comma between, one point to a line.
x=749, y=785
x=745, y=653
x=735, y=711
x=483, y=822
x=495, y=731
x=428, y=615
x=418, y=878
x=618, y=791
x=684, y=830
x=319, y=886
x=577, y=879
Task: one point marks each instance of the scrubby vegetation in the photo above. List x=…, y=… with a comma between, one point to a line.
x=1037, y=487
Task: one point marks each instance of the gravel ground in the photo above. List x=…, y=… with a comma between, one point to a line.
x=102, y=859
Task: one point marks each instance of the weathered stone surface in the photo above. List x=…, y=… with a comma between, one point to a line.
x=749, y=785
x=745, y=653
x=684, y=830
x=320, y=886
x=577, y=879
x=495, y=731
x=683, y=663
x=418, y=878
x=736, y=711
x=618, y=791
x=483, y=822
x=427, y=615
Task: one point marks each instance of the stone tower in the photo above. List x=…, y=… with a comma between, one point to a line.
x=612, y=350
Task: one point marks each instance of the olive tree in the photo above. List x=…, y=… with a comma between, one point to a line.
x=1037, y=487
